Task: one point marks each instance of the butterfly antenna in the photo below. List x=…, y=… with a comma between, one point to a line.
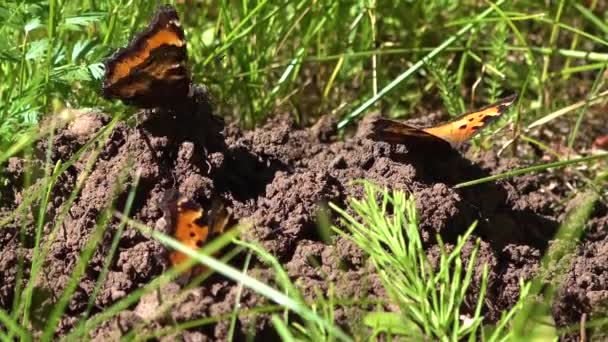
x=508, y=100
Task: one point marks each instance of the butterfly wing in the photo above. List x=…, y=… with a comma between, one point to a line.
x=395, y=132
x=452, y=133
x=466, y=126
x=190, y=228
x=218, y=217
x=152, y=70
x=191, y=225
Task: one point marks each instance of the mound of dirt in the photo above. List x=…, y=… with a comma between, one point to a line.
x=278, y=177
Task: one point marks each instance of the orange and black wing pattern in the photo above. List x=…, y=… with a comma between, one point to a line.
x=191, y=224
x=395, y=132
x=451, y=134
x=467, y=125
x=152, y=70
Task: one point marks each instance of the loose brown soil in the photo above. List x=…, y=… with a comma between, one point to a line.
x=278, y=177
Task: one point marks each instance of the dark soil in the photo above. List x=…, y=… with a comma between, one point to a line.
x=278, y=177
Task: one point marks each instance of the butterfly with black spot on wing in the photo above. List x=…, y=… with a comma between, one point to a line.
x=448, y=135
x=190, y=224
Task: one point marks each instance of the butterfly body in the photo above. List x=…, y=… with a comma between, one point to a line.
x=448, y=135
x=152, y=70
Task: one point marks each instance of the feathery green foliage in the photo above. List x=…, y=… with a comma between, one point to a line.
x=430, y=297
x=446, y=82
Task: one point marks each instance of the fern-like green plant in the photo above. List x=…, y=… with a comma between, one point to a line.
x=497, y=59
x=430, y=298
x=446, y=82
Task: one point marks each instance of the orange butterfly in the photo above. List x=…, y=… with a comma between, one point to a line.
x=450, y=134
x=190, y=224
x=152, y=70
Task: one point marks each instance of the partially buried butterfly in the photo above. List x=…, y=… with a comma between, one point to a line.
x=448, y=135
x=152, y=70
x=190, y=224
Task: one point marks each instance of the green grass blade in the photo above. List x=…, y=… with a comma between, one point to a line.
x=531, y=169
x=414, y=68
x=13, y=327
x=282, y=329
x=109, y=257
x=247, y=281
x=599, y=23
x=86, y=254
x=236, y=309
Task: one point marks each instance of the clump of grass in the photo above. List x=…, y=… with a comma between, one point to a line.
x=308, y=57
x=430, y=299
x=46, y=63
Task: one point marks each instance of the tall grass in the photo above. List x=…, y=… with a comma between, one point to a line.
x=308, y=57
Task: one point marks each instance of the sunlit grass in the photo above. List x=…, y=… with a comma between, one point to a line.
x=302, y=56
